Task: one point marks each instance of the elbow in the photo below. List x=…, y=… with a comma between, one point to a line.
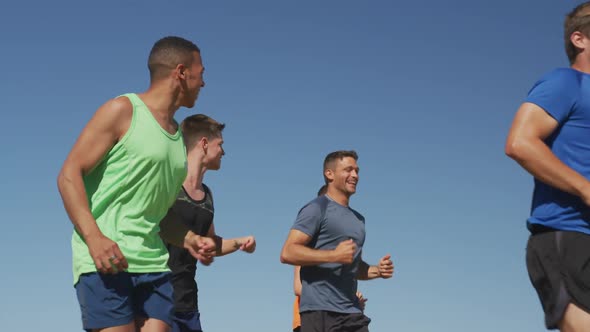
x=61, y=180
x=66, y=176
x=515, y=148
x=285, y=258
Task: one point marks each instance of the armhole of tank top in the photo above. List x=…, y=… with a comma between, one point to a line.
x=207, y=191
x=122, y=140
x=178, y=131
x=181, y=138
x=131, y=97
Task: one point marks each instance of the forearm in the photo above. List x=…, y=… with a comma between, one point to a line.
x=297, y=281
x=173, y=231
x=297, y=254
x=71, y=189
x=536, y=157
x=367, y=272
x=228, y=246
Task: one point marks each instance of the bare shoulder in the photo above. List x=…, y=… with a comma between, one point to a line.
x=118, y=108
x=108, y=124
x=114, y=115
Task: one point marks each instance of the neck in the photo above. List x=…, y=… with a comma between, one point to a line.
x=582, y=64
x=338, y=196
x=162, y=99
x=196, y=173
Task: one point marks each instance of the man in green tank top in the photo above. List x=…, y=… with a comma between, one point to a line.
x=117, y=183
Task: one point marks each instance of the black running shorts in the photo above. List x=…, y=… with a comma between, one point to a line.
x=558, y=263
x=327, y=321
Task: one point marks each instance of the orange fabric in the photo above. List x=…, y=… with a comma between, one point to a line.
x=296, y=317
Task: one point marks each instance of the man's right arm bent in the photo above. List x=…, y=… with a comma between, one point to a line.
x=102, y=132
x=526, y=144
x=296, y=252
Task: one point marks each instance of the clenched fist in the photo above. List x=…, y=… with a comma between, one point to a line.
x=344, y=252
x=385, y=267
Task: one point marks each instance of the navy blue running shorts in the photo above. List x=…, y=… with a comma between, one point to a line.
x=108, y=300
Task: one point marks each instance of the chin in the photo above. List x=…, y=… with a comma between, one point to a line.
x=190, y=104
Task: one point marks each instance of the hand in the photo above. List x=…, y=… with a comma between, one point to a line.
x=248, y=244
x=385, y=267
x=201, y=248
x=344, y=252
x=362, y=300
x=106, y=255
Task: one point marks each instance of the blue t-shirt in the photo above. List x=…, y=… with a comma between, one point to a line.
x=330, y=286
x=565, y=95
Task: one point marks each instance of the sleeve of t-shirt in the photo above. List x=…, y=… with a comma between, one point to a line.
x=556, y=93
x=309, y=219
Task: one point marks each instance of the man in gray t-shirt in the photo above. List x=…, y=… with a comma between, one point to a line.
x=327, y=240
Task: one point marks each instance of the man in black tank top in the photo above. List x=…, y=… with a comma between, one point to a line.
x=194, y=207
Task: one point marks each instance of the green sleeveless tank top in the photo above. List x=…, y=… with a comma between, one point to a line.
x=130, y=191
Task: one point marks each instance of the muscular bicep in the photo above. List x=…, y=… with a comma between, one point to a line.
x=107, y=126
x=297, y=237
x=531, y=121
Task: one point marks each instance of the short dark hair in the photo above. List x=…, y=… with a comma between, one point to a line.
x=169, y=52
x=577, y=20
x=197, y=126
x=338, y=155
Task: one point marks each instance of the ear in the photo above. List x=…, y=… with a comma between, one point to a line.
x=579, y=40
x=180, y=71
x=329, y=174
x=204, y=142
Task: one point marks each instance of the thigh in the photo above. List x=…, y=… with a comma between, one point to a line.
x=105, y=300
x=326, y=321
x=575, y=253
x=313, y=321
x=153, y=296
x=340, y=322
x=151, y=325
x=546, y=273
x=575, y=320
x=187, y=322
x=122, y=328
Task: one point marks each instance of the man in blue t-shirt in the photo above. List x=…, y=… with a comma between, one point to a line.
x=327, y=240
x=550, y=138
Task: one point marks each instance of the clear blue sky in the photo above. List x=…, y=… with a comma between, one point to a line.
x=424, y=90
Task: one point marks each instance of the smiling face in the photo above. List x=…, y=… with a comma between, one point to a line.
x=343, y=175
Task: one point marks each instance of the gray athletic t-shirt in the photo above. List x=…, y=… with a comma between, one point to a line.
x=330, y=286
